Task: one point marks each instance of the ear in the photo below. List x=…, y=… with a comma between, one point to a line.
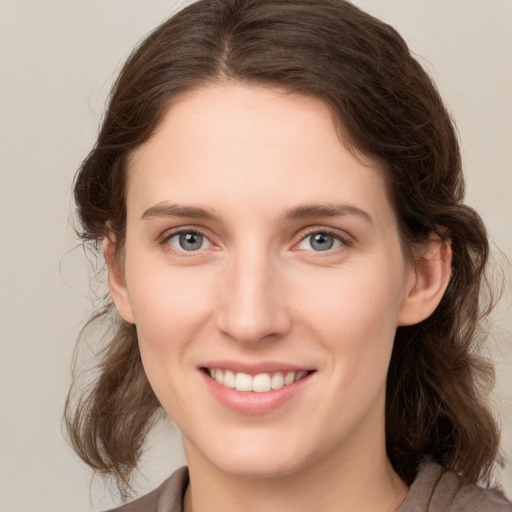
x=430, y=277
x=117, y=282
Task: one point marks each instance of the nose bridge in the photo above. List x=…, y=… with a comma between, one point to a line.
x=251, y=306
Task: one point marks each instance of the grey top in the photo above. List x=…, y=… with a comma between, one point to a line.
x=433, y=490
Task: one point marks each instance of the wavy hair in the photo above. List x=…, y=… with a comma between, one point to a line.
x=385, y=107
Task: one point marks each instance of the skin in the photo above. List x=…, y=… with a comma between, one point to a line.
x=257, y=290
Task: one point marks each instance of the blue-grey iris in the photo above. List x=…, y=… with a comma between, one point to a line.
x=191, y=241
x=321, y=241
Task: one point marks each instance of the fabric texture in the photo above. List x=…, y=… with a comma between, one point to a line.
x=168, y=497
x=438, y=490
x=433, y=490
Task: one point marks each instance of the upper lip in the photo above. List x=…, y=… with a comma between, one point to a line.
x=255, y=368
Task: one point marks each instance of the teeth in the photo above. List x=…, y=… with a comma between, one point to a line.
x=299, y=375
x=290, y=377
x=277, y=380
x=229, y=379
x=259, y=383
x=243, y=382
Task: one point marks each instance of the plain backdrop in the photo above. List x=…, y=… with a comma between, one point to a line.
x=57, y=62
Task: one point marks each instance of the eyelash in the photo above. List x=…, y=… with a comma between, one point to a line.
x=345, y=240
x=166, y=237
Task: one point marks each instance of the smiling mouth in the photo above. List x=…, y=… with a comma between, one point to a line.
x=259, y=383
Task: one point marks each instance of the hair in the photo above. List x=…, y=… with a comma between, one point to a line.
x=387, y=108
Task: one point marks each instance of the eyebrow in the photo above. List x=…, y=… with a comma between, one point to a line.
x=325, y=210
x=176, y=210
x=300, y=212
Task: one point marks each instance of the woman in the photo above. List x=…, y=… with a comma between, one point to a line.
x=277, y=188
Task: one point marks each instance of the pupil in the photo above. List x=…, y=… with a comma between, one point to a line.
x=322, y=242
x=191, y=241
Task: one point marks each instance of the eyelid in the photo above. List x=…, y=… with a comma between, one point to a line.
x=342, y=236
x=164, y=238
x=346, y=239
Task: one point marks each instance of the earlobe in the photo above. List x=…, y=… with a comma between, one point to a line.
x=432, y=272
x=117, y=282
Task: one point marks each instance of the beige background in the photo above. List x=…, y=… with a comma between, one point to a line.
x=57, y=61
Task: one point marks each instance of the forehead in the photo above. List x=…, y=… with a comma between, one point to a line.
x=229, y=145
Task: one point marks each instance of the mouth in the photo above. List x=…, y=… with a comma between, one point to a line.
x=256, y=389
x=258, y=383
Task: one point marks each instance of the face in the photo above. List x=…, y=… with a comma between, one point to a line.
x=264, y=272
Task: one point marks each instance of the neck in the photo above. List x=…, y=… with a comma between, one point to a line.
x=353, y=482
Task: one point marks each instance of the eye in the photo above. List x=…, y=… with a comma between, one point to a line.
x=188, y=241
x=320, y=241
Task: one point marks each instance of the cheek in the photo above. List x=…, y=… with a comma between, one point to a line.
x=170, y=307
x=354, y=315
x=351, y=300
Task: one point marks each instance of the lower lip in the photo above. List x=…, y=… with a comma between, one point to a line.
x=251, y=402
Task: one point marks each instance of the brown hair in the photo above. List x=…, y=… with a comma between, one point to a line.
x=387, y=108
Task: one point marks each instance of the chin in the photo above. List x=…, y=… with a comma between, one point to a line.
x=259, y=467
x=257, y=455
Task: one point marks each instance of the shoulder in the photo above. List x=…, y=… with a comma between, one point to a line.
x=437, y=490
x=168, y=497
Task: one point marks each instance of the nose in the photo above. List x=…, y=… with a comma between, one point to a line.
x=252, y=302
